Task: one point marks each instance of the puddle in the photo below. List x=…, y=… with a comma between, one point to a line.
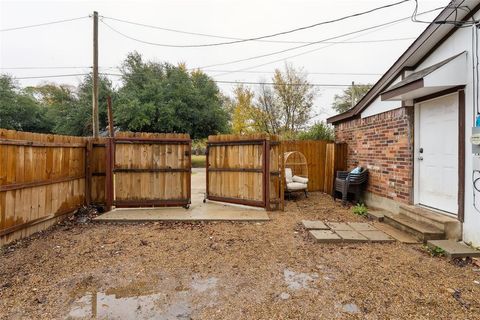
x=202, y=285
x=349, y=308
x=102, y=305
x=299, y=280
x=170, y=303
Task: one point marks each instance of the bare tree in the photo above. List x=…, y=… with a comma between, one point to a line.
x=295, y=97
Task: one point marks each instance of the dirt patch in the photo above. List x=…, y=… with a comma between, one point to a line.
x=228, y=270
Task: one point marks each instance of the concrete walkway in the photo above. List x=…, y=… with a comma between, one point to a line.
x=198, y=211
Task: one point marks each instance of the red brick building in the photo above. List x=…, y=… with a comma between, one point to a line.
x=412, y=130
x=383, y=144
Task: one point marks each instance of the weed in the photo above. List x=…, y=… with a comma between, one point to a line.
x=360, y=209
x=434, y=251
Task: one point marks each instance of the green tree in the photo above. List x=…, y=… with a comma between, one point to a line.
x=242, y=115
x=343, y=102
x=19, y=110
x=319, y=131
x=160, y=97
x=69, y=109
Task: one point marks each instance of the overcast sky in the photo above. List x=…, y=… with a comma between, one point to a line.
x=70, y=44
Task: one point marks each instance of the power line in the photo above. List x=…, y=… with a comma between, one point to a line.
x=309, y=44
x=289, y=84
x=216, y=81
x=230, y=38
x=53, y=76
x=43, y=68
x=253, y=38
x=205, y=70
x=43, y=24
x=320, y=73
x=255, y=82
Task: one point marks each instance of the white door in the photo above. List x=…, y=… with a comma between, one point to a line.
x=437, y=153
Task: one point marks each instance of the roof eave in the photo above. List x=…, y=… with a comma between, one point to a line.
x=397, y=68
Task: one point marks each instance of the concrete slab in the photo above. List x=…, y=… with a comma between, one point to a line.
x=199, y=211
x=377, y=236
x=325, y=236
x=351, y=236
x=361, y=226
x=339, y=226
x=314, y=225
x=454, y=249
x=213, y=213
x=397, y=234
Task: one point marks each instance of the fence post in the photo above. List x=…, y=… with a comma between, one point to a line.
x=267, y=173
x=88, y=172
x=109, y=174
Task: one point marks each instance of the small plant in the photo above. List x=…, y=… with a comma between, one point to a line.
x=360, y=209
x=435, y=251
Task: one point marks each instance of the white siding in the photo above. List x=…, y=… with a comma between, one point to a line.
x=460, y=41
x=379, y=106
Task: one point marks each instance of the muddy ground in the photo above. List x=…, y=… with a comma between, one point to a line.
x=229, y=271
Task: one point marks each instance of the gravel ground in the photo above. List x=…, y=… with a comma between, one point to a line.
x=229, y=271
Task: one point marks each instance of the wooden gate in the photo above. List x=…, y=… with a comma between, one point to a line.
x=148, y=170
x=245, y=170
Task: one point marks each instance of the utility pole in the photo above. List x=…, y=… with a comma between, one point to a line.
x=353, y=94
x=95, y=118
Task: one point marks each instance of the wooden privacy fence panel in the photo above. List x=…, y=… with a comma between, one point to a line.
x=324, y=158
x=97, y=170
x=42, y=177
x=244, y=169
x=150, y=170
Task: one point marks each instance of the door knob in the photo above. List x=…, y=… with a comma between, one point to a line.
x=420, y=158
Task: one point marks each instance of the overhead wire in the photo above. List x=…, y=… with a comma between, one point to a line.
x=256, y=82
x=216, y=81
x=306, y=45
x=231, y=38
x=455, y=22
x=43, y=24
x=241, y=40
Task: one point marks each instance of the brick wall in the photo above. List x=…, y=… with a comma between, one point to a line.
x=384, y=144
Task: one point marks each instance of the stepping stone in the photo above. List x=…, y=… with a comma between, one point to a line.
x=377, y=236
x=335, y=226
x=454, y=249
x=362, y=226
x=351, y=236
x=325, y=236
x=314, y=225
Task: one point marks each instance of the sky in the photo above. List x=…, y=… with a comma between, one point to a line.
x=66, y=48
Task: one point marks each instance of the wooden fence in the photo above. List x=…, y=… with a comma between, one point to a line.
x=150, y=170
x=42, y=178
x=244, y=169
x=324, y=158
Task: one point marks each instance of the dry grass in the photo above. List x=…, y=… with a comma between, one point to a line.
x=42, y=277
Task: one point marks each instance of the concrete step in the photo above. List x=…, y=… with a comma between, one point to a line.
x=376, y=215
x=420, y=230
x=397, y=234
x=454, y=249
x=432, y=217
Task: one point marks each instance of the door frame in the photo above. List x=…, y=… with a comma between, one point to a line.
x=460, y=91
